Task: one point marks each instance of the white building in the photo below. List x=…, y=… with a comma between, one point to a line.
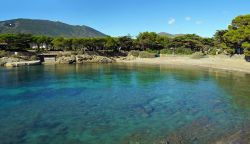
x=35, y=46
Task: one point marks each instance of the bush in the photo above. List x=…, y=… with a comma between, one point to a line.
x=166, y=51
x=152, y=51
x=144, y=54
x=213, y=51
x=15, y=56
x=247, y=52
x=32, y=58
x=134, y=53
x=183, y=51
x=3, y=53
x=229, y=51
x=198, y=55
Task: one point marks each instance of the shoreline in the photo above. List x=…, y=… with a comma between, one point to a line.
x=236, y=63
x=220, y=62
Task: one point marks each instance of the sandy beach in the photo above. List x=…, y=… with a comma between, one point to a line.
x=235, y=63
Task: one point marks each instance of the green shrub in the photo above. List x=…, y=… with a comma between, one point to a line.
x=145, y=54
x=246, y=47
x=198, y=55
x=152, y=51
x=166, y=51
x=3, y=53
x=229, y=51
x=213, y=51
x=134, y=53
x=183, y=51
x=15, y=56
x=247, y=52
x=32, y=58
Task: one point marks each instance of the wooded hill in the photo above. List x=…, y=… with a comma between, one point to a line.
x=47, y=28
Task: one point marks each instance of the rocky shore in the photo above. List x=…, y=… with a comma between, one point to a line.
x=85, y=58
x=70, y=59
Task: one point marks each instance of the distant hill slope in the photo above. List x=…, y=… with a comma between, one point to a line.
x=170, y=35
x=48, y=28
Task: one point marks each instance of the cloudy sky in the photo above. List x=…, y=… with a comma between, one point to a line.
x=123, y=17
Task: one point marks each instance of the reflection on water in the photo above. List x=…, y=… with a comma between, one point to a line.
x=127, y=104
x=237, y=85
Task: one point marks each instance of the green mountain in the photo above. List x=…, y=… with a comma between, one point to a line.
x=48, y=28
x=170, y=35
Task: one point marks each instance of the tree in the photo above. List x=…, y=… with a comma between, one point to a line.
x=67, y=44
x=238, y=33
x=126, y=43
x=218, y=36
x=39, y=40
x=58, y=43
x=162, y=42
x=76, y=44
x=189, y=41
x=17, y=41
x=146, y=40
x=97, y=43
x=246, y=46
x=111, y=44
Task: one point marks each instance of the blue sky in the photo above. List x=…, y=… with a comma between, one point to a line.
x=123, y=17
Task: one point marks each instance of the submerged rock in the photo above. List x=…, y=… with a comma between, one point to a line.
x=144, y=111
x=193, y=133
x=240, y=137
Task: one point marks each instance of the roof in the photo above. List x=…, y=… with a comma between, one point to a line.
x=47, y=54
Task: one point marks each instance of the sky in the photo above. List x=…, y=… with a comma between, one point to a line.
x=123, y=17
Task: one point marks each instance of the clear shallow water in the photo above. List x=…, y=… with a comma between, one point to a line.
x=121, y=104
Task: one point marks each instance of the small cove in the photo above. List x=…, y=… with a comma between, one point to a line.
x=121, y=103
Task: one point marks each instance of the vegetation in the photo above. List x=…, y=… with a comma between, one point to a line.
x=3, y=53
x=47, y=28
x=145, y=54
x=198, y=55
x=236, y=37
x=234, y=40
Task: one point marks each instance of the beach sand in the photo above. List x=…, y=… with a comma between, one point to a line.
x=235, y=63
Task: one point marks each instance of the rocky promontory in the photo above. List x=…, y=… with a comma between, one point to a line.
x=85, y=58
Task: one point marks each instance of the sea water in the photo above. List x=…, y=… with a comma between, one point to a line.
x=122, y=104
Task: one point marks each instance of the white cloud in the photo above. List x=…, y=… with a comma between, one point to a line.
x=171, y=21
x=198, y=22
x=188, y=18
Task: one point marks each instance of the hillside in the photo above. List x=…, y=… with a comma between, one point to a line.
x=170, y=35
x=48, y=28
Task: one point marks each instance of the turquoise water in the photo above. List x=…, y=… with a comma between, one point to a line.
x=121, y=104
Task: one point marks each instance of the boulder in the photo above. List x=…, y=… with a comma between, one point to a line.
x=93, y=59
x=63, y=60
x=5, y=60
x=83, y=58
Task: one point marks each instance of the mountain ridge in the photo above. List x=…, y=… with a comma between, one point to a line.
x=47, y=28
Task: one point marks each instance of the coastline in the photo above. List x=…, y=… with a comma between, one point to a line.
x=221, y=62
